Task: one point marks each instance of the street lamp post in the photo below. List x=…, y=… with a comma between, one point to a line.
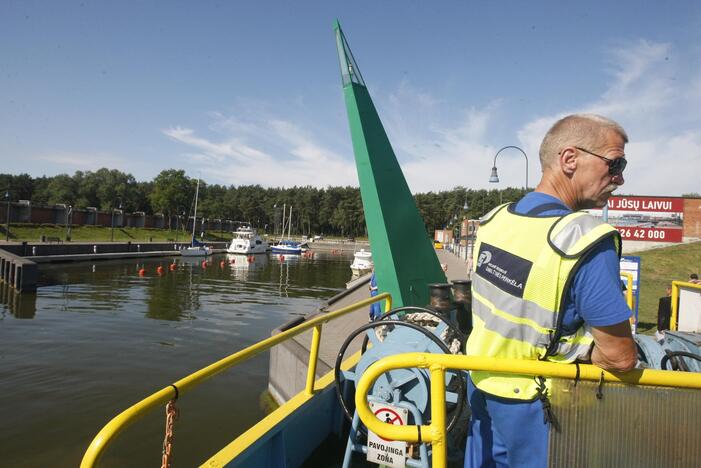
x=275, y=210
x=177, y=221
x=494, y=178
x=120, y=207
x=465, y=207
x=68, y=222
x=7, y=227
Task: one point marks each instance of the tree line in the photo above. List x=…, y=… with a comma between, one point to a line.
x=330, y=211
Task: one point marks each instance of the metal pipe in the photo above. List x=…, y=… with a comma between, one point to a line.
x=675, y=300
x=7, y=230
x=313, y=359
x=439, y=437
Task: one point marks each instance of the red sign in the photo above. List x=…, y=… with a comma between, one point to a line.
x=657, y=219
x=654, y=204
x=650, y=234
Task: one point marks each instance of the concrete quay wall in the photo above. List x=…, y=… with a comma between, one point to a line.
x=127, y=249
x=287, y=372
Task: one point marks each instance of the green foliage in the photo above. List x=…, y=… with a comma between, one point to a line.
x=330, y=211
x=172, y=192
x=20, y=186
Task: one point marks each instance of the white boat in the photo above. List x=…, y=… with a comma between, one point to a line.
x=246, y=241
x=362, y=263
x=196, y=248
x=287, y=246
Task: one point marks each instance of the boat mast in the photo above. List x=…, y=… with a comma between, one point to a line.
x=284, y=215
x=194, y=220
x=289, y=225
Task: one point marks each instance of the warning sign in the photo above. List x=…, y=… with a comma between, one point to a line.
x=382, y=451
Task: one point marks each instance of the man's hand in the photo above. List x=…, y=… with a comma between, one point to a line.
x=614, y=348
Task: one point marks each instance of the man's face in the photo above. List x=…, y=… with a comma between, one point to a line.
x=594, y=183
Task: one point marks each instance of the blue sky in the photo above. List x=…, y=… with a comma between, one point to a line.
x=250, y=93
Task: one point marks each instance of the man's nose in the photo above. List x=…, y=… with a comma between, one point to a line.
x=618, y=179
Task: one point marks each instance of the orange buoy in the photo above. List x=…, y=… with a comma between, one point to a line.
x=142, y=271
x=172, y=267
x=282, y=258
x=159, y=270
x=221, y=264
x=250, y=259
x=204, y=264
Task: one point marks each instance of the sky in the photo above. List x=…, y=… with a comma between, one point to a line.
x=243, y=92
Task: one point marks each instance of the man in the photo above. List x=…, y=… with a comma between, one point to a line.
x=694, y=278
x=664, y=314
x=546, y=287
x=375, y=310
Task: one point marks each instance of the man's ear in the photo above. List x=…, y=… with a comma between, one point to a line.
x=568, y=160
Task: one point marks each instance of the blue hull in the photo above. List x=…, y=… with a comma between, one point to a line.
x=287, y=250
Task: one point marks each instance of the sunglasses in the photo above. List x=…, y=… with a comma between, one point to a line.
x=616, y=166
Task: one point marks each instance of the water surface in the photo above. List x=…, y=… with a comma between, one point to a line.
x=98, y=337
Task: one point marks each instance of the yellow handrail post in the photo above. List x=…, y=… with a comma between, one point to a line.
x=438, y=429
x=675, y=306
x=313, y=358
x=388, y=304
x=629, y=288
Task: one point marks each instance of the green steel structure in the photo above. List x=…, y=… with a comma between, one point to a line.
x=405, y=261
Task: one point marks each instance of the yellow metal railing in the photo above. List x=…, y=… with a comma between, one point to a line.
x=135, y=412
x=435, y=433
x=629, y=288
x=675, y=300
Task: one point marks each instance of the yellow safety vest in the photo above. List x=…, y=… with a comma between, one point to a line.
x=522, y=269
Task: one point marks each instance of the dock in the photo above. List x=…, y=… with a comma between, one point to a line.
x=289, y=360
x=19, y=261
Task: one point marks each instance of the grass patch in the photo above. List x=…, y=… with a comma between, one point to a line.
x=659, y=267
x=34, y=233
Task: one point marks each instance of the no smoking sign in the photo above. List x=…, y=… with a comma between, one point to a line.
x=383, y=451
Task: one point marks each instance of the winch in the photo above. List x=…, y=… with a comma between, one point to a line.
x=400, y=392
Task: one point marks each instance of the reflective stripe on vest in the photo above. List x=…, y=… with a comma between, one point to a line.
x=522, y=269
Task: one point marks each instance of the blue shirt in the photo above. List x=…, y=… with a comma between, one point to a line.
x=595, y=296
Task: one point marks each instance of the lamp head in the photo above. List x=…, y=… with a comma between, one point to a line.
x=494, y=178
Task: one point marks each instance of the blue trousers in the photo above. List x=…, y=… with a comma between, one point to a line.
x=375, y=309
x=505, y=432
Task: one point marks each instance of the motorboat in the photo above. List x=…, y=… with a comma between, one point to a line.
x=246, y=241
x=196, y=248
x=362, y=263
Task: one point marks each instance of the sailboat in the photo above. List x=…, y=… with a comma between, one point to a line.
x=196, y=248
x=287, y=246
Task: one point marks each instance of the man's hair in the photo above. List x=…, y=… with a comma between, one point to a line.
x=585, y=130
x=693, y=276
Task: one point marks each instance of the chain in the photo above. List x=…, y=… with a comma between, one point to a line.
x=171, y=416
